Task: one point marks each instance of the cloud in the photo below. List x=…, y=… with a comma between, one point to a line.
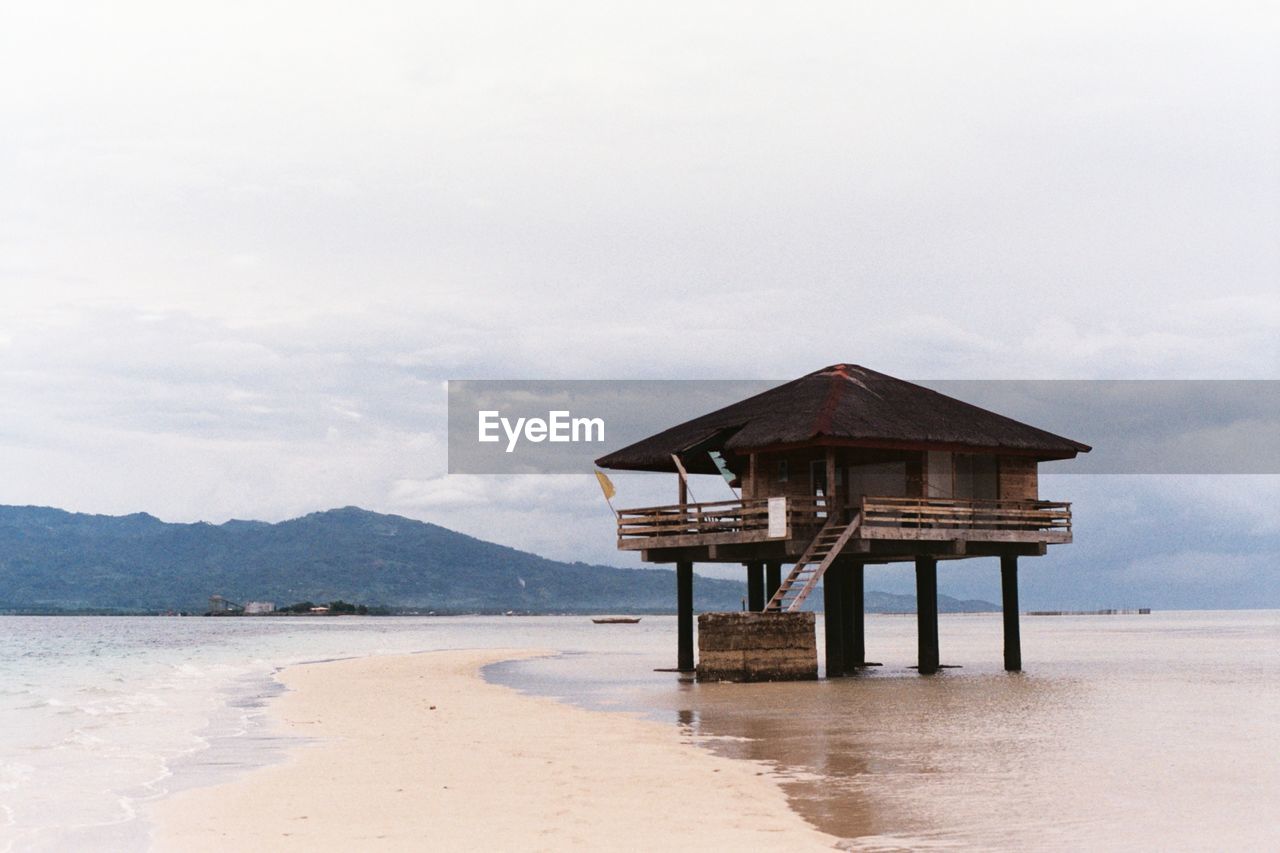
x=241, y=251
x=1204, y=570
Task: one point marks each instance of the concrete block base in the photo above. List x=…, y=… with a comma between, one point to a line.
x=745, y=646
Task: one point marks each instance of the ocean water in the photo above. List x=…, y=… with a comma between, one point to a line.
x=1125, y=732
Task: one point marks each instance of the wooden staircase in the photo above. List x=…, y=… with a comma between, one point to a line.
x=813, y=563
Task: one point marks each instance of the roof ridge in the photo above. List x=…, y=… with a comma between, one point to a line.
x=822, y=424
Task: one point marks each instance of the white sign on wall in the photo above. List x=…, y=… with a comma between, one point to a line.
x=777, y=518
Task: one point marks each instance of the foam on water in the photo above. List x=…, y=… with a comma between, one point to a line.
x=106, y=714
x=99, y=715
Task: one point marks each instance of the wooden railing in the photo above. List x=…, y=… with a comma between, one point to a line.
x=715, y=517
x=882, y=518
x=949, y=513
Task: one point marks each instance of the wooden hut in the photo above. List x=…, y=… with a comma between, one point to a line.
x=839, y=469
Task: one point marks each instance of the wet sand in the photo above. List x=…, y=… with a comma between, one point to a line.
x=418, y=752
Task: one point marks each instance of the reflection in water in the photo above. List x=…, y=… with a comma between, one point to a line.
x=878, y=756
x=1144, y=731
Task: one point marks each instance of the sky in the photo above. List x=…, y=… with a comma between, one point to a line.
x=244, y=245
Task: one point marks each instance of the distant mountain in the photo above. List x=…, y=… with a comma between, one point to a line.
x=51, y=559
x=55, y=560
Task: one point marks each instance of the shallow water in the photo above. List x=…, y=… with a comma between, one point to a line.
x=1153, y=731
x=1125, y=732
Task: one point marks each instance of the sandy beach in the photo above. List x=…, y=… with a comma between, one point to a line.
x=418, y=752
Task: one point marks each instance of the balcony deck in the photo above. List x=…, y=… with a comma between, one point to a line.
x=795, y=521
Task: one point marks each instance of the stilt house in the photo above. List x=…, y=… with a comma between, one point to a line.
x=839, y=469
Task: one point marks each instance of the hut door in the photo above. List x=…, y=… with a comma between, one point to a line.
x=939, y=481
x=818, y=480
x=818, y=477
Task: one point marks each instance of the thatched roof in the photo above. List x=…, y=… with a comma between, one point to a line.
x=841, y=405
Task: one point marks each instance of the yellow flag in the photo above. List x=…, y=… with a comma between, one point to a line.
x=606, y=486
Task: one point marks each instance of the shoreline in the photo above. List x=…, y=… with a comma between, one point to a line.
x=410, y=750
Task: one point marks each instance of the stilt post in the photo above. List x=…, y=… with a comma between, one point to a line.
x=833, y=619
x=927, y=613
x=684, y=616
x=851, y=608
x=755, y=587
x=1009, y=603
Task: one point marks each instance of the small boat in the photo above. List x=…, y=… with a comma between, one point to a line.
x=615, y=620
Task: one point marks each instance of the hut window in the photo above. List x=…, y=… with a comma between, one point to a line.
x=782, y=471
x=976, y=476
x=878, y=479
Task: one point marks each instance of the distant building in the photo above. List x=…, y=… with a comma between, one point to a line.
x=220, y=605
x=257, y=608
x=320, y=610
